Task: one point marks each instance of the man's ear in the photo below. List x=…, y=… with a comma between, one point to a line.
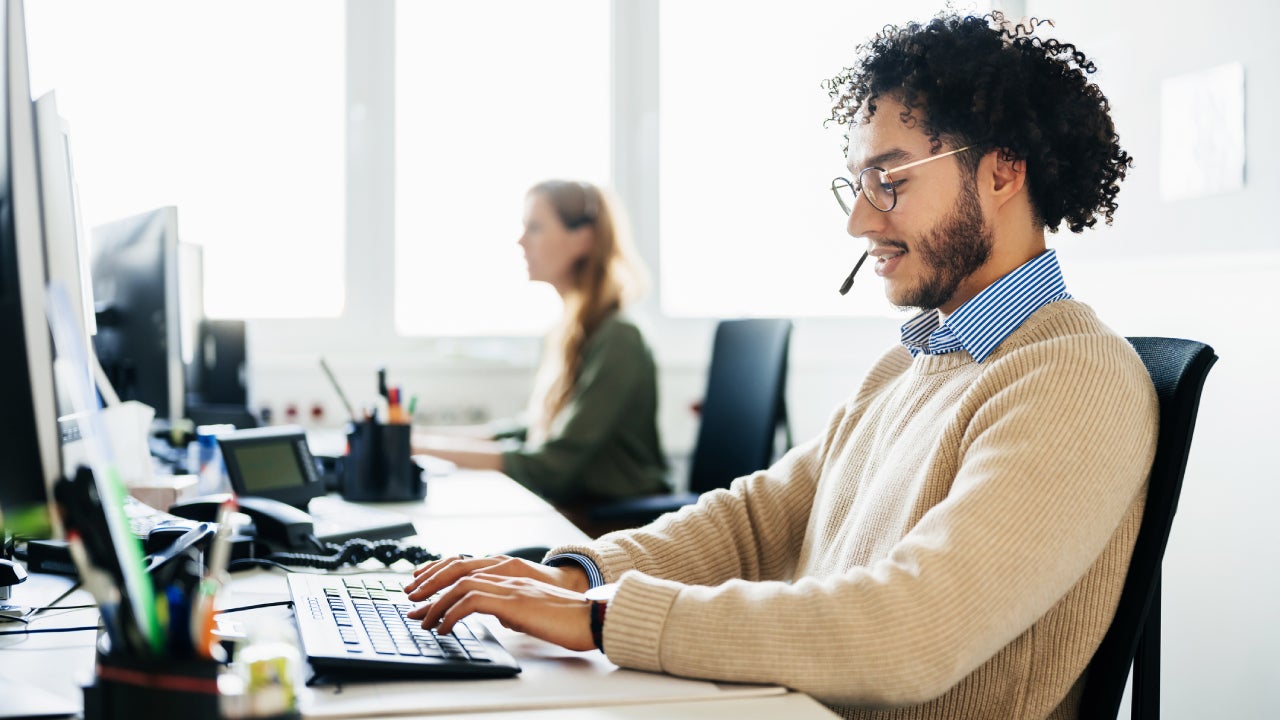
x=1007, y=176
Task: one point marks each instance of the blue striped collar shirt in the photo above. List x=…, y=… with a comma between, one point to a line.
x=981, y=324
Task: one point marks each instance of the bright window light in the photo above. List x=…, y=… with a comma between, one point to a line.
x=490, y=98
x=234, y=112
x=748, y=224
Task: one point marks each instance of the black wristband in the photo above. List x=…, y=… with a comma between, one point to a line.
x=598, y=610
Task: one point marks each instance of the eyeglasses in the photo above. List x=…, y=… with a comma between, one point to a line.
x=880, y=189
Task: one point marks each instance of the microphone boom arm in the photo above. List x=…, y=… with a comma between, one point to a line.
x=848, y=282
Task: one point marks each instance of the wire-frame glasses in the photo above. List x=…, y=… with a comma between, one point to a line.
x=879, y=187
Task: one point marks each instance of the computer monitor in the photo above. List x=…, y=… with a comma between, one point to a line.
x=65, y=241
x=29, y=461
x=144, y=317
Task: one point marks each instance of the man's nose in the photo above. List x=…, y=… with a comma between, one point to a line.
x=865, y=220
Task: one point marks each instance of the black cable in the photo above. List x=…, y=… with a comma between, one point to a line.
x=74, y=586
x=48, y=630
x=31, y=614
x=259, y=606
x=354, y=552
x=246, y=563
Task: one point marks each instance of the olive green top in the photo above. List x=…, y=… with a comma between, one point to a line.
x=604, y=444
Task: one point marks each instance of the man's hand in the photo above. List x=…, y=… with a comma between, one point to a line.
x=436, y=576
x=543, y=610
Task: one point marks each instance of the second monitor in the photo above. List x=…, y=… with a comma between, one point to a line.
x=146, y=288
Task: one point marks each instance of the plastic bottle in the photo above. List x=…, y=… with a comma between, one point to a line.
x=211, y=472
x=264, y=678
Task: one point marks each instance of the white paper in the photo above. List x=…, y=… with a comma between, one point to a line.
x=1202, y=133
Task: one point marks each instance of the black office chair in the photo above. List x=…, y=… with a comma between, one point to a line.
x=1178, y=369
x=742, y=410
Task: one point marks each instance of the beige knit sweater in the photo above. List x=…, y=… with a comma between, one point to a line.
x=953, y=546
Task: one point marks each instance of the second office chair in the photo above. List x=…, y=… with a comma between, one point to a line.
x=743, y=408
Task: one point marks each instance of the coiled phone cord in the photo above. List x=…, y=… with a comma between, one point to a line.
x=354, y=552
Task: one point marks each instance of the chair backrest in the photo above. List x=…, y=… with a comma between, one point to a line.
x=1178, y=369
x=744, y=403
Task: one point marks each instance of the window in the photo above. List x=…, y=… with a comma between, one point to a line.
x=748, y=225
x=232, y=111
x=490, y=98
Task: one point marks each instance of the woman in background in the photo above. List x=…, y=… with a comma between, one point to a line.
x=592, y=435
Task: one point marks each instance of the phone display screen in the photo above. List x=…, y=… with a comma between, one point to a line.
x=272, y=463
x=271, y=466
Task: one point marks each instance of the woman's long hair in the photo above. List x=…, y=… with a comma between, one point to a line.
x=607, y=277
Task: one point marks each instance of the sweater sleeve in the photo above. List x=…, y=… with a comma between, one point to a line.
x=614, y=366
x=1050, y=463
x=750, y=530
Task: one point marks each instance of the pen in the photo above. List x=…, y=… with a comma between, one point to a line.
x=202, y=624
x=341, y=395
x=413, y=403
x=98, y=583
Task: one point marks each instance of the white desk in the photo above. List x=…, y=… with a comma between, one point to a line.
x=473, y=512
x=483, y=512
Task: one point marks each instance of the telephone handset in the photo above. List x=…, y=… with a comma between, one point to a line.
x=289, y=535
x=274, y=474
x=279, y=525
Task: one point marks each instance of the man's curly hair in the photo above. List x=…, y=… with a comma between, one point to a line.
x=980, y=81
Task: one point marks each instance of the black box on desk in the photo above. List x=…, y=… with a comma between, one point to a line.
x=50, y=556
x=379, y=466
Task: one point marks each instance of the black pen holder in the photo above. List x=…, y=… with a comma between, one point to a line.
x=378, y=467
x=126, y=686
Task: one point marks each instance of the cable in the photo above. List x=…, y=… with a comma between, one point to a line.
x=247, y=563
x=31, y=613
x=48, y=630
x=54, y=605
x=354, y=552
x=259, y=606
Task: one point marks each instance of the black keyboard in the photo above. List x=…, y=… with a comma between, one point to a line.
x=355, y=625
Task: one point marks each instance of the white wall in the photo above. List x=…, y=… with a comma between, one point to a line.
x=1206, y=269
x=1199, y=269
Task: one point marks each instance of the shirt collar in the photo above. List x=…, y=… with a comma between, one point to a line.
x=982, y=323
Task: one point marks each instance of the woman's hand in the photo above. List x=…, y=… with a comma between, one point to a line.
x=543, y=610
x=436, y=576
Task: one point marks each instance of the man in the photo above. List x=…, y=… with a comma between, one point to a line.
x=954, y=545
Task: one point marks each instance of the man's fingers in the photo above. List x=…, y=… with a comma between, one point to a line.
x=448, y=598
x=443, y=573
x=545, y=611
x=474, y=601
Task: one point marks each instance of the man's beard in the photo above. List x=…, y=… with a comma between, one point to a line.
x=951, y=251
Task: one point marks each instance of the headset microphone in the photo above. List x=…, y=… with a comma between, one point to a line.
x=848, y=282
